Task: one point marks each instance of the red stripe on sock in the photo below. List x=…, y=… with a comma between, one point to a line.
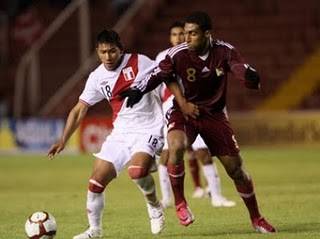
x=251, y=201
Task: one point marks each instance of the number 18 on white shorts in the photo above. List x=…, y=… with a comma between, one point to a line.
x=118, y=148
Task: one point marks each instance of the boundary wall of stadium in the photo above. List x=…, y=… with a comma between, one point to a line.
x=277, y=127
x=251, y=128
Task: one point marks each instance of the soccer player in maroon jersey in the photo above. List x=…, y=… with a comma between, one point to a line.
x=203, y=64
x=197, y=152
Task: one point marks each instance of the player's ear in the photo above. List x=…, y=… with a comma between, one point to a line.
x=97, y=49
x=207, y=33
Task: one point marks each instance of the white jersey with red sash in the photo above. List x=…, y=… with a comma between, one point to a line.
x=105, y=84
x=136, y=129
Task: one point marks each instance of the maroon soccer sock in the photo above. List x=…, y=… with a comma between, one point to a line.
x=176, y=175
x=246, y=192
x=194, y=171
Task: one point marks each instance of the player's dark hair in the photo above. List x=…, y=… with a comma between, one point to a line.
x=176, y=24
x=200, y=18
x=109, y=36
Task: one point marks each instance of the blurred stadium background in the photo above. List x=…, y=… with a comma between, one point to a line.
x=47, y=52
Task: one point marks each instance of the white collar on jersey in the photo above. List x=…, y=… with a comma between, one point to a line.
x=205, y=56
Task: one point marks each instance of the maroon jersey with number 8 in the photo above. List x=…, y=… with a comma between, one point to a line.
x=203, y=78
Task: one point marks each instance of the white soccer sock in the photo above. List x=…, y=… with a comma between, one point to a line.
x=95, y=205
x=148, y=189
x=211, y=174
x=164, y=180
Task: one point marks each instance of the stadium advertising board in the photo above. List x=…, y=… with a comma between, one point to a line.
x=93, y=131
x=250, y=128
x=36, y=134
x=277, y=127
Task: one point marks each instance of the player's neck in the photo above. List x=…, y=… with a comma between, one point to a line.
x=120, y=61
x=204, y=50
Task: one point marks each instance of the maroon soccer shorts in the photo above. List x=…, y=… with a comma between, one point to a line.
x=215, y=130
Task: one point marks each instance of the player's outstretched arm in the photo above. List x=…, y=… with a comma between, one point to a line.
x=243, y=71
x=188, y=109
x=74, y=118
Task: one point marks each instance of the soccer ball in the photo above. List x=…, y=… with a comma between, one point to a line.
x=41, y=225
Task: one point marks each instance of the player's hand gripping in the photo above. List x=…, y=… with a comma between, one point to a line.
x=190, y=110
x=55, y=149
x=134, y=96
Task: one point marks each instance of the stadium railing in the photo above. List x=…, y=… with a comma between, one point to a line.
x=127, y=26
x=29, y=62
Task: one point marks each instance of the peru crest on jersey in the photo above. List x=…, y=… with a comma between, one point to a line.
x=128, y=73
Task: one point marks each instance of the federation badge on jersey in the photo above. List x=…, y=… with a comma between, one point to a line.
x=128, y=73
x=219, y=71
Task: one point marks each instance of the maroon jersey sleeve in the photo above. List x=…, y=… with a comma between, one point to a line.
x=238, y=68
x=162, y=73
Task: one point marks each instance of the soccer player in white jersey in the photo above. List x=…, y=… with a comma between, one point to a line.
x=136, y=136
x=199, y=150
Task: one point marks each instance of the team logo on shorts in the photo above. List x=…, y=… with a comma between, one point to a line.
x=128, y=73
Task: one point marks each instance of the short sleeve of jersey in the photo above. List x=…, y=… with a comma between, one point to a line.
x=91, y=95
x=145, y=66
x=161, y=56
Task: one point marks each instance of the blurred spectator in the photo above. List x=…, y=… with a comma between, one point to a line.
x=14, y=7
x=120, y=6
x=27, y=28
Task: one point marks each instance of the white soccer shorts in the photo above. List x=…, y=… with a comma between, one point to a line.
x=118, y=148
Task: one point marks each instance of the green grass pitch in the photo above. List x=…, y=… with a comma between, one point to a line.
x=287, y=181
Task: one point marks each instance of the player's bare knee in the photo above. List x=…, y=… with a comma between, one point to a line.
x=237, y=173
x=176, y=146
x=136, y=172
x=176, y=150
x=95, y=186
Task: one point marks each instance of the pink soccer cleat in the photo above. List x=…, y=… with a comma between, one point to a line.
x=261, y=225
x=184, y=214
